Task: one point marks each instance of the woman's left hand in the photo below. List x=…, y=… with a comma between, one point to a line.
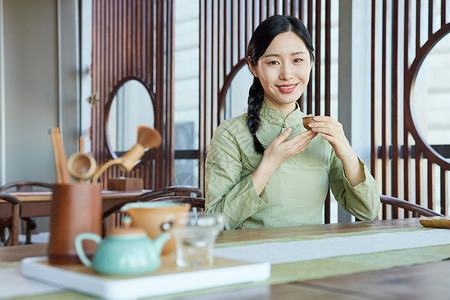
x=332, y=131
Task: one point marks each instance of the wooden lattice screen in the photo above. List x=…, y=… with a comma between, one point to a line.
x=132, y=39
x=402, y=147
x=225, y=30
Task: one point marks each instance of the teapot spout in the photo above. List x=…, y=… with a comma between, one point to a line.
x=160, y=241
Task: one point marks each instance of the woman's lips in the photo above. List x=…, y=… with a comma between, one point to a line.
x=286, y=88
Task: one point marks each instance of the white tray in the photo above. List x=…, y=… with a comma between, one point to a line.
x=168, y=279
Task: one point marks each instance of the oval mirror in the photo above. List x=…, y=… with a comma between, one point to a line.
x=430, y=96
x=131, y=106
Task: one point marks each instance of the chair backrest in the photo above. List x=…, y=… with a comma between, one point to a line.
x=113, y=216
x=174, y=190
x=407, y=206
x=25, y=186
x=197, y=203
x=12, y=222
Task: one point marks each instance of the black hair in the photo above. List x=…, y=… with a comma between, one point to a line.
x=260, y=41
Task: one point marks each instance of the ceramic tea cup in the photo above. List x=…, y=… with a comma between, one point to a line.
x=306, y=121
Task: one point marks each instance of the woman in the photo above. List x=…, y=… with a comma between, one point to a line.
x=263, y=168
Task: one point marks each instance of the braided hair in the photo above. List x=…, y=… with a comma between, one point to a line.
x=260, y=41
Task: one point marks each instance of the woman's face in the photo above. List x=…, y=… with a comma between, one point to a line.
x=283, y=71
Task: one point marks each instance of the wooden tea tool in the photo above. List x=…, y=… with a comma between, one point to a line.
x=62, y=173
x=82, y=165
x=147, y=138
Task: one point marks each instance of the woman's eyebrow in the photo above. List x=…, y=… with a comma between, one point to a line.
x=278, y=55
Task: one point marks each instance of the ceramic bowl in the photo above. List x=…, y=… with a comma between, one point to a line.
x=151, y=215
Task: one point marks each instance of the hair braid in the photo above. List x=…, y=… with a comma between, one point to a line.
x=255, y=100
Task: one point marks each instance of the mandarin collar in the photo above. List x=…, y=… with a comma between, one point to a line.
x=277, y=117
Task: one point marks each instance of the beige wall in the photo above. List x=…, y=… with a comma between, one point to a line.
x=38, y=85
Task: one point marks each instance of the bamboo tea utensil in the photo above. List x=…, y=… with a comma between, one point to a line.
x=147, y=138
x=62, y=172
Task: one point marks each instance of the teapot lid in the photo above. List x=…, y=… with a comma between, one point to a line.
x=126, y=229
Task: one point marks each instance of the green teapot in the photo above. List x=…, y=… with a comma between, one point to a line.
x=126, y=251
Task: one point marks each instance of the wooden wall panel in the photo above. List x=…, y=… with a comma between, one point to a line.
x=132, y=39
x=401, y=142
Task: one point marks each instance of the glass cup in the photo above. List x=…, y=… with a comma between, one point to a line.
x=195, y=235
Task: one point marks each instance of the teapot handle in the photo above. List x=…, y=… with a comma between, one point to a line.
x=79, y=246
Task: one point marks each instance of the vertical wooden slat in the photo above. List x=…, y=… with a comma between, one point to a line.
x=138, y=34
x=202, y=90
x=215, y=40
x=317, y=70
x=309, y=94
x=444, y=191
x=327, y=53
x=124, y=38
x=247, y=18
x=373, y=145
x=142, y=46
x=430, y=184
x=240, y=33
x=110, y=39
x=231, y=60
x=301, y=9
x=418, y=17
x=169, y=123
x=394, y=102
x=443, y=12
x=406, y=157
x=430, y=17
x=286, y=7
x=384, y=147
x=327, y=57
x=115, y=42
x=418, y=173
x=225, y=59
x=261, y=11
x=94, y=68
x=149, y=44
x=159, y=84
x=298, y=13
x=102, y=80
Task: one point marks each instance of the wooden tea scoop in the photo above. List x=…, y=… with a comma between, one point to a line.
x=437, y=223
x=82, y=165
x=62, y=172
x=147, y=138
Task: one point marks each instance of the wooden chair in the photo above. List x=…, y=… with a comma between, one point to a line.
x=407, y=206
x=113, y=216
x=26, y=186
x=11, y=223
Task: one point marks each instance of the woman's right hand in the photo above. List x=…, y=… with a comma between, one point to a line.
x=279, y=151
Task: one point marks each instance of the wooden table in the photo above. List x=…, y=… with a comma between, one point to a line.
x=428, y=280
x=38, y=204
